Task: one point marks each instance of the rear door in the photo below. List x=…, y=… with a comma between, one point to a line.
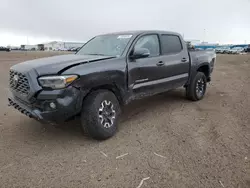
x=175, y=71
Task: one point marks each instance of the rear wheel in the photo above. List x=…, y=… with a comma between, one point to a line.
x=100, y=113
x=197, y=88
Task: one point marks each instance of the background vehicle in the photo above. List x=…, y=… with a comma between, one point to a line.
x=247, y=49
x=15, y=48
x=108, y=72
x=5, y=49
x=218, y=50
x=61, y=49
x=236, y=50
x=226, y=50
x=223, y=50
x=74, y=49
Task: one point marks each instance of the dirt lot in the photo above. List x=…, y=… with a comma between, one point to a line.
x=174, y=142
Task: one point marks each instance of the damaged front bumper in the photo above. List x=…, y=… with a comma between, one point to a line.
x=53, y=106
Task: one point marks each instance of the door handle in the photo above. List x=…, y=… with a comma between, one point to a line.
x=160, y=63
x=184, y=60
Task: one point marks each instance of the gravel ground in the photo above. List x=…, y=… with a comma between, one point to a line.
x=166, y=139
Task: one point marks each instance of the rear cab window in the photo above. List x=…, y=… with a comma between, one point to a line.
x=171, y=44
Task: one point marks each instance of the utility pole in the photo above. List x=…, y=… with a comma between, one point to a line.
x=204, y=35
x=27, y=41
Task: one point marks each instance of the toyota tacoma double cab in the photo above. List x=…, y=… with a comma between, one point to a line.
x=107, y=72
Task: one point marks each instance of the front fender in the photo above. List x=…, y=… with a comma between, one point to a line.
x=101, y=73
x=98, y=79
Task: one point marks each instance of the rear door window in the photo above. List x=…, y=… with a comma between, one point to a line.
x=171, y=44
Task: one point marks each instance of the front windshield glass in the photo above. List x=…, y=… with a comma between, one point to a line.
x=106, y=45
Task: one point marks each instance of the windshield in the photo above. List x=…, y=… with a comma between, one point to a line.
x=106, y=45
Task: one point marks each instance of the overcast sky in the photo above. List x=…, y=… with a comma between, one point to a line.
x=224, y=21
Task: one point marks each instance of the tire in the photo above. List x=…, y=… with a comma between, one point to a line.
x=196, y=90
x=100, y=113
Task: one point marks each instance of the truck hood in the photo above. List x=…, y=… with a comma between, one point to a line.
x=56, y=64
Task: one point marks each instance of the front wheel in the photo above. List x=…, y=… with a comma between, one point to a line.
x=197, y=88
x=100, y=114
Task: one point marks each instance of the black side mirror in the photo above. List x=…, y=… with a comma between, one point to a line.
x=140, y=53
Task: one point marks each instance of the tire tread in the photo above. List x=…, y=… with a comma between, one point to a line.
x=89, y=120
x=191, y=88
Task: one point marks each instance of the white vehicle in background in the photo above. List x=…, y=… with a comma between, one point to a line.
x=236, y=50
x=61, y=49
x=222, y=50
x=218, y=50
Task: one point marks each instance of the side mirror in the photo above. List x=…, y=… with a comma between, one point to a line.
x=140, y=53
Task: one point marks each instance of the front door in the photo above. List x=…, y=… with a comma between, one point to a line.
x=144, y=72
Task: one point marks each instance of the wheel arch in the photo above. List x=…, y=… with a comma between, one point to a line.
x=110, y=87
x=204, y=68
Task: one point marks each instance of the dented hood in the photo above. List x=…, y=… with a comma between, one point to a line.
x=57, y=64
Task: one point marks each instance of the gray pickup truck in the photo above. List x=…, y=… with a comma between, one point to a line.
x=108, y=72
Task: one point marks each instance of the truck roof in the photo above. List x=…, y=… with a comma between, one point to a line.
x=138, y=32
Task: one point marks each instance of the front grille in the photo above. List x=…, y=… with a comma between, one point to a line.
x=19, y=83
